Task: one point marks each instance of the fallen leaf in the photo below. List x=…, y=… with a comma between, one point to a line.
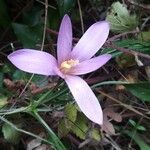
x=35, y=143
x=113, y=115
x=108, y=126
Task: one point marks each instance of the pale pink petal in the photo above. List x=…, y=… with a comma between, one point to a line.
x=59, y=73
x=91, y=41
x=85, y=98
x=90, y=65
x=64, y=42
x=33, y=61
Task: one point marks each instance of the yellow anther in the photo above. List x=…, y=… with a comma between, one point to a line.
x=66, y=65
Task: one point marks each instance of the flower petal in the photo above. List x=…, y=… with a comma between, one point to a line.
x=90, y=65
x=85, y=98
x=64, y=42
x=91, y=41
x=33, y=61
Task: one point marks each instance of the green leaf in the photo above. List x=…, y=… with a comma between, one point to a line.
x=10, y=134
x=57, y=144
x=140, y=90
x=132, y=122
x=5, y=68
x=3, y=101
x=53, y=19
x=138, y=140
x=19, y=75
x=95, y=134
x=1, y=79
x=28, y=35
x=120, y=19
x=141, y=128
x=80, y=127
x=144, y=36
x=65, y=125
x=136, y=125
x=33, y=17
x=4, y=17
x=135, y=45
x=71, y=112
x=65, y=6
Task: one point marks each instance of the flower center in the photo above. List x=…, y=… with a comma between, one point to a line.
x=67, y=65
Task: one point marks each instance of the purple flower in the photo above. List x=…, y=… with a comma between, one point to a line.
x=70, y=63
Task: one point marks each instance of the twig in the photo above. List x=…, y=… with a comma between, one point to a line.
x=139, y=5
x=81, y=18
x=26, y=85
x=144, y=23
x=42, y=46
x=56, y=33
x=125, y=50
x=122, y=104
x=45, y=24
x=111, y=45
x=122, y=34
x=46, y=4
x=52, y=31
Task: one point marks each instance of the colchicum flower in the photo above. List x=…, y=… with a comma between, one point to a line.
x=70, y=63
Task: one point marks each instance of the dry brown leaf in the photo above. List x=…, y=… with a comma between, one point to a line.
x=43, y=147
x=35, y=143
x=9, y=84
x=108, y=126
x=14, y=85
x=113, y=115
x=20, y=84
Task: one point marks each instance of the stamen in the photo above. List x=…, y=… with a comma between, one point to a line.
x=67, y=65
